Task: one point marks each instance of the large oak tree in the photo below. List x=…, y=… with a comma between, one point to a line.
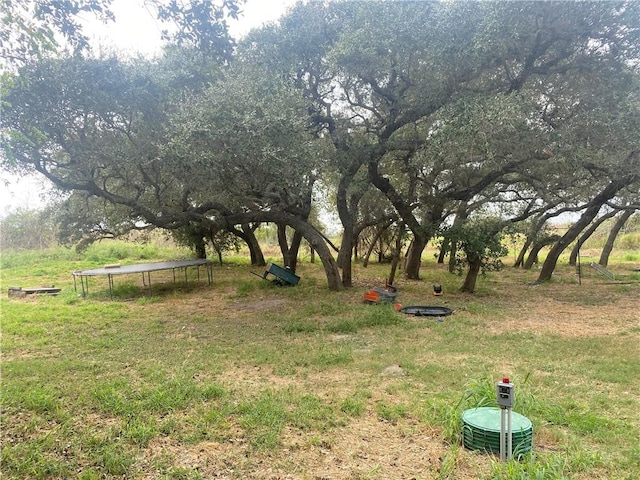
x=436, y=105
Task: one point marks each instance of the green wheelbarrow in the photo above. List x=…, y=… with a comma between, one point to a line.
x=281, y=276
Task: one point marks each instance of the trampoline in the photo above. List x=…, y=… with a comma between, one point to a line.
x=143, y=268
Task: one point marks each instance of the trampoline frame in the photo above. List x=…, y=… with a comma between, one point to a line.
x=144, y=268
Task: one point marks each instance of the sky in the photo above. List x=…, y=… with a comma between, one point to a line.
x=135, y=31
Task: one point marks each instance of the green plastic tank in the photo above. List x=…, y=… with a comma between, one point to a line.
x=481, y=431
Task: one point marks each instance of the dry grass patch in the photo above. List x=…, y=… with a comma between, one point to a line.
x=366, y=448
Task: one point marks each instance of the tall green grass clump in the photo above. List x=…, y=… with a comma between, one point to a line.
x=116, y=250
x=628, y=241
x=28, y=258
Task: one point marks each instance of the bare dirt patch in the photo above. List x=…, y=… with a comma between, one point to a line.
x=568, y=320
x=366, y=448
x=252, y=305
x=572, y=311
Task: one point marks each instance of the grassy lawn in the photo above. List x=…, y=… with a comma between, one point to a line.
x=243, y=379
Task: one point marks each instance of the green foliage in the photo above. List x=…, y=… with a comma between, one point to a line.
x=512, y=105
x=476, y=108
x=36, y=29
x=481, y=240
x=114, y=250
x=27, y=230
x=631, y=257
x=244, y=140
x=83, y=220
x=629, y=241
x=196, y=237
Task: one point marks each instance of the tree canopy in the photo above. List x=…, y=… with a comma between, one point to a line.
x=411, y=112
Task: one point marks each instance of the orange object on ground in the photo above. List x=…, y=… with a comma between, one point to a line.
x=371, y=297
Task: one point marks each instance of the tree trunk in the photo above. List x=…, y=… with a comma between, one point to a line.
x=289, y=252
x=422, y=233
x=461, y=216
x=396, y=254
x=443, y=250
x=381, y=229
x=593, y=207
x=585, y=236
x=530, y=240
x=533, y=255
x=248, y=236
x=345, y=255
x=615, y=230
x=453, y=251
x=219, y=254
x=535, y=250
x=469, y=285
x=347, y=207
x=365, y=259
x=294, y=249
x=283, y=243
x=255, y=253
x=414, y=258
x=199, y=247
x=315, y=238
x=537, y=227
x=520, y=260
